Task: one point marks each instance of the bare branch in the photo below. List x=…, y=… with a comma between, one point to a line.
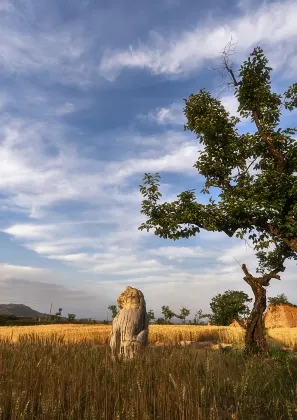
x=228, y=51
x=262, y=281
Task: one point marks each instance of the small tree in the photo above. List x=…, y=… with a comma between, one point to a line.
x=198, y=316
x=280, y=300
x=168, y=314
x=57, y=316
x=151, y=315
x=114, y=311
x=160, y=321
x=229, y=306
x=71, y=317
x=183, y=314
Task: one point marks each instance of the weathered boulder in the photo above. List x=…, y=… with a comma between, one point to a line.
x=129, y=334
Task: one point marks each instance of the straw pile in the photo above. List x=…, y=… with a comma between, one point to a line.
x=281, y=316
x=278, y=316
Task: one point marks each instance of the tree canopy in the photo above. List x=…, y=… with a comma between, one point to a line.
x=263, y=201
x=280, y=299
x=228, y=306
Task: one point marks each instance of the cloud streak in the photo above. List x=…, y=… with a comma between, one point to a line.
x=272, y=25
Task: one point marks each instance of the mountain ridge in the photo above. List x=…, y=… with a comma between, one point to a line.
x=19, y=309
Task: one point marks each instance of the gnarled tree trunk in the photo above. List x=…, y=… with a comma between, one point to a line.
x=254, y=336
x=255, y=340
x=129, y=334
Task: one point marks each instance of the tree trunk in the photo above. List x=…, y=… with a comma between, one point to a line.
x=254, y=336
x=129, y=334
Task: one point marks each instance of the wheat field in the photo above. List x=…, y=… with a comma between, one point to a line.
x=42, y=378
x=99, y=334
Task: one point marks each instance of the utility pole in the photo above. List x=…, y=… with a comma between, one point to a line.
x=51, y=310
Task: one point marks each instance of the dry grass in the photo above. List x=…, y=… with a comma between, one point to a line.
x=286, y=336
x=44, y=379
x=99, y=334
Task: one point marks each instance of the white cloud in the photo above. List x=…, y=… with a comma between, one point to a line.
x=35, y=179
x=27, y=273
x=167, y=115
x=179, y=160
x=30, y=231
x=271, y=25
x=82, y=209
x=175, y=252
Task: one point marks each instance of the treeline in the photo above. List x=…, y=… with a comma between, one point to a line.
x=226, y=307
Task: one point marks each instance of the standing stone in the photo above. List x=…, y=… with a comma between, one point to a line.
x=129, y=334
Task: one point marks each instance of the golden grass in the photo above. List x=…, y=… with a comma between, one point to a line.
x=99, y=334
x=42, y=379
x=286, y=336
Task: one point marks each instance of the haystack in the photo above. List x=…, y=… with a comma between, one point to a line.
x=281, y=316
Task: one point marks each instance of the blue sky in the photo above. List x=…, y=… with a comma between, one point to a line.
x=91, y=98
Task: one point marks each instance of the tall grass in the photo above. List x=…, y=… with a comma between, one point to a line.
x=52, y=378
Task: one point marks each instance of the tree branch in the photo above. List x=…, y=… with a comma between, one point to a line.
x=262, y=281
x=268, y=140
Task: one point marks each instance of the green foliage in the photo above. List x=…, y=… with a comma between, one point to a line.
x=58, y=315
x=265, y=202
x=168, y=314
x=114, y=311
x=151, y=315
x=183, y=314
x=229, y=306
x=280, y=300
x=161, y=321
x=71, y=317
x=198, y=316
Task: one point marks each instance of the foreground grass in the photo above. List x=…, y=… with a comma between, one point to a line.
x=47, y=378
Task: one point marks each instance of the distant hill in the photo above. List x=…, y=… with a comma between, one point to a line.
x=18, y=309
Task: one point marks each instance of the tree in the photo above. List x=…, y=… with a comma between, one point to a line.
x=57, y=316
x=280, y=300
x=71, y=317
x=151, y=315
x=160, y=321
x=265, y=202
x=168, y=314
x=198, y=316
x=228, y=306
x=183, y=314
x=114, y=311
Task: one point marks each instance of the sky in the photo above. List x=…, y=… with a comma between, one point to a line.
x=91, y=98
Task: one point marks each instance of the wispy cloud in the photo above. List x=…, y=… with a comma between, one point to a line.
x=272, y=25
x=167, y=115
x=74, y=148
